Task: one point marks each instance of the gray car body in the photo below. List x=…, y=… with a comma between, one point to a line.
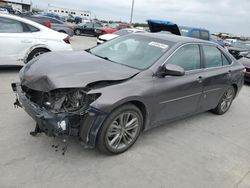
x=161, y=99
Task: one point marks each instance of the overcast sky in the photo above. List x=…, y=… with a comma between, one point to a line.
x=217, y=15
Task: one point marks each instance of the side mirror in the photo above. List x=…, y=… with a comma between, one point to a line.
x=170, y=70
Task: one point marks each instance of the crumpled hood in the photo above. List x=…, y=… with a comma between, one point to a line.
x=70, y=70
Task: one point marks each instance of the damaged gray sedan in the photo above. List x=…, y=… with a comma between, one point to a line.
x=109, y=94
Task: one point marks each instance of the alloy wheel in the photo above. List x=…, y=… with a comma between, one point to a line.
x=227, y=99
x=123, y=131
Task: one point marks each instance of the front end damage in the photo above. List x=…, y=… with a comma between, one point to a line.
x=62, y=112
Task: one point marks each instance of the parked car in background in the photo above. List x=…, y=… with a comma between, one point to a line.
x=194, y=32
x=4, y=11
x=237, y=48
x=103, y=38
x=9, y=9
x=23, y=13
x=89, y=28
x=245, y=60
x=21, y=40
x=51, y=15
x=106, y=96
x=160, y=25
x=53, y=23
x=218, y=40
x=240, y=45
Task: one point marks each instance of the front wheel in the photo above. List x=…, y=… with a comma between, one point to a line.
x=120, y=130
x=225, y=101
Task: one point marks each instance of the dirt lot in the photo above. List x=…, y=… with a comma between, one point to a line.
x=203, y=151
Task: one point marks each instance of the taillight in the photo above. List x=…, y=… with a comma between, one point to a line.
x=66, y=40
x=47, y=24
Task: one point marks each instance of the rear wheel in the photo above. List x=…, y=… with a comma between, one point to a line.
x=77, y=31
x=120, y=130
x=36, y=52
x=225, y=101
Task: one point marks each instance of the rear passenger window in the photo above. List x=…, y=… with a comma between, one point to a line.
x=31, y=28
x=187, y=57
x=204, y=35
x=212, y=56
x=195, y=34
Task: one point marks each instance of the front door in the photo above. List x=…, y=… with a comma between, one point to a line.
x=179, y=96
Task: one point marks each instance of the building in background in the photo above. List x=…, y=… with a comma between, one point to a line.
x=66, y=12
x=17, y=5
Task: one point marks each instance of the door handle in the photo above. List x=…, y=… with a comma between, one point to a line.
x=199, y=79
x=26, y=41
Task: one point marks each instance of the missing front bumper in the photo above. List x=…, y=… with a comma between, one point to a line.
x=57, y=124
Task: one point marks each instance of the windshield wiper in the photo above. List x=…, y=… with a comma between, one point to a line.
x=104, y=57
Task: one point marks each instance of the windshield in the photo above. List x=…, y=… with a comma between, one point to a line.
x=136, y=51
x=123, y=32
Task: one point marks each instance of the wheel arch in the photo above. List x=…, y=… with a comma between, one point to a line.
x=235, y=89
x=35, y=48
x=139, y=104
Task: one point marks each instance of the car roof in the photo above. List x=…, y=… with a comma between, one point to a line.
x=174, y=38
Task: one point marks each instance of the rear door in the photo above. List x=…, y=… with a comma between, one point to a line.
x=216, y=77
x=16, y=39
x=178, y=96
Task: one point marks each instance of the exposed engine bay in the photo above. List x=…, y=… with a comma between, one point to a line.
x=74, y=101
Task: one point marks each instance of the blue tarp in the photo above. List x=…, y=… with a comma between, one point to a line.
x=162, y=25
x=161, y=22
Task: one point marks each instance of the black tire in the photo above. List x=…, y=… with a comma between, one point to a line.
x=225, y=101
x=103, y=140
x=35, y=53
x=77, y=32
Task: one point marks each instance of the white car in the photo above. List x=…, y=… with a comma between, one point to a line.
x=103, y=38
x=4, y=11
x=21, y=40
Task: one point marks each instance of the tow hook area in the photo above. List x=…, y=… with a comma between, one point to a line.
x=17, y=103
x=36, y=131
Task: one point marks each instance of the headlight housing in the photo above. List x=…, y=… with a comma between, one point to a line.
x=69, y=100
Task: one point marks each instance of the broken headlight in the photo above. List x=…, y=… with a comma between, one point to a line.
x=69, y=100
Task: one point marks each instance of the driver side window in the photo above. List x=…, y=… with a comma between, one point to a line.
x=187, y=57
